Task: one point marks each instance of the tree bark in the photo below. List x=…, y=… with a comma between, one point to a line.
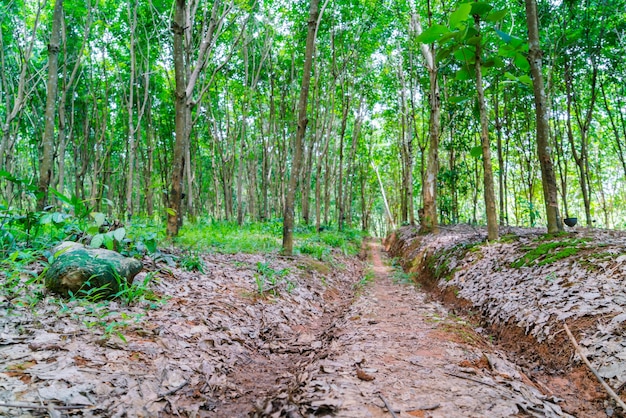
x=288, y=220
x=47, y=161
x=428, y=215
x=490, y=198
x=548, y=178
x=174, y=198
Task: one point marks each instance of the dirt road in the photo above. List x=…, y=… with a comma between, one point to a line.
x=397, y=349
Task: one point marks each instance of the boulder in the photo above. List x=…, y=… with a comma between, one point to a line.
x=89, y=272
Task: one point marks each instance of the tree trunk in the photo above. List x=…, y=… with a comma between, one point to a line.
x=342, y=134
x=490, y=198
x=288, y=220
x=174, y=198
x=548, y=178
x=428, y=214
x=130, y=168
x=47, y=160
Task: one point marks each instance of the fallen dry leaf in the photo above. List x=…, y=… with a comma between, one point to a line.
x=364, y=376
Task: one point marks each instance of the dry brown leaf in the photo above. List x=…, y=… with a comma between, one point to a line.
x=364, y=376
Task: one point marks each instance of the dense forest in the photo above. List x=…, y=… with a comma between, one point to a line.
x=333, y=113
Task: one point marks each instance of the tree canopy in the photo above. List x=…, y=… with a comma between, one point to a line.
x=417, y=111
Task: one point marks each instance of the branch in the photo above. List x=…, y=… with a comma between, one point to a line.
x=610, y=391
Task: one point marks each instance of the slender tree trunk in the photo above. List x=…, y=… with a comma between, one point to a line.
x=174, y=198
x=502, y=168
x=428, y=214
x=616, y=132
x=288, y=220
x=130, y=171
x=342, y=134
x=581, y=158
x=490, y=198
x=548, y=178
x=47, y=160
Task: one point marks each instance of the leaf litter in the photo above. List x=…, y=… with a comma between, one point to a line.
x=312, y=341
x=525, y=287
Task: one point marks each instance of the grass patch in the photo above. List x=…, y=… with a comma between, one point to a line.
x=266, y=237
x=549, y=252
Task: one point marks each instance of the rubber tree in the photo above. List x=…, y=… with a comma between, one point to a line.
x=47, y=159
x=548, y=177
x=428, y=218
x=489, y=193
x=188, y=69
x=289, y=213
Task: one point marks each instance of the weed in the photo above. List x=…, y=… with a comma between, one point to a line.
x=367, y=278
x=192, y=262
x=268, y=280
x=549, y=252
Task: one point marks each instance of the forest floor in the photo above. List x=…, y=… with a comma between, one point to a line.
x=265, y=335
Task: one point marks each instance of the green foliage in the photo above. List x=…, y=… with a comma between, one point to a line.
x=367, y=278
x=549, y=252
x=230, y=238
x=191, y=261
x=268, y=279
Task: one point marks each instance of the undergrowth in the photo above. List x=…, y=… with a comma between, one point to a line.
x=549, y=252
x=250, y=238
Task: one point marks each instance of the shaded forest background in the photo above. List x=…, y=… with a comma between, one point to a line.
x=89, y=112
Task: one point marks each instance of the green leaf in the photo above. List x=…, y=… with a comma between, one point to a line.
x=45, y=219
x=449, y=35
x=521, y=62
x=489, y=63
x=61, y=196
x=96, y=241
x=505, y=36
x=465, y=54
x=476, y=152
x=463, y=74
x=459, y=15
x=525, y=79
x=432, y=34
x=510, y=76
x=481, y=8
x=474, y=40
x=443, y=53
x=470, y=33
x=496, y=16
x=506, y=51
x=99, y=218
x=170, y=211
x=459, y=99
x=108, y=241
x=151, y=245
x=119, y=234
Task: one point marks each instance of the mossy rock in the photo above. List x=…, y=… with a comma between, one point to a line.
x=89, y=272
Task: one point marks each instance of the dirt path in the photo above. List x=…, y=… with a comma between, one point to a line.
x=396, y=346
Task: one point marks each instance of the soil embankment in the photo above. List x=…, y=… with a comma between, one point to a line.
x=523, y=288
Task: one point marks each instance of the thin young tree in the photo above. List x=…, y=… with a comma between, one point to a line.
x=489, y=194
x=289, y=213
x=47, y=160
x=548, y=178
x=428, y=219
